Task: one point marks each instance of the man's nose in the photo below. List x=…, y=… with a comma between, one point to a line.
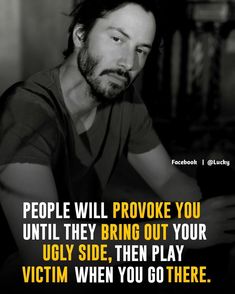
x=128, y=60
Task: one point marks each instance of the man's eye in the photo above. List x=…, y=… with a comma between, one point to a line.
x=116, y=39
x=141, y=52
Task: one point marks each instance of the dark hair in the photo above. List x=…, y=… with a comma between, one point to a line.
x=88, y=11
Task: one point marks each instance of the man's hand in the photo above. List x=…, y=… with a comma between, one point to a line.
x=218, y=214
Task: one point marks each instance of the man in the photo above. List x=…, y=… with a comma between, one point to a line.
x=63, y=130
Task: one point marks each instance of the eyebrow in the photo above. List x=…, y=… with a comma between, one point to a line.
x=120, y=30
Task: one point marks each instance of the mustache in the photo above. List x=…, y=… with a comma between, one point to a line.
x=119, y=72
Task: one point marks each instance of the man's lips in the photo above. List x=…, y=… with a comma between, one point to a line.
x=118, y=77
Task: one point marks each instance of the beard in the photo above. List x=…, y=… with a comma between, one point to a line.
x=100, y=90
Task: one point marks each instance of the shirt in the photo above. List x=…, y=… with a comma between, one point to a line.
x=35, y=127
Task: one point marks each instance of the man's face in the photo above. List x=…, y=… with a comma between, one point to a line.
x=116, y=50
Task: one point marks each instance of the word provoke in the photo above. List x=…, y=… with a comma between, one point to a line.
x=142, y=210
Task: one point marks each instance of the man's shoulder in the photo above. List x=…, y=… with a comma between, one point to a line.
x=36, y=92
x=43, y=79
x=31, y=102
x=38, y=82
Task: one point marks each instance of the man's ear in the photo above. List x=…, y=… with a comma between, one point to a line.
x=78, y=36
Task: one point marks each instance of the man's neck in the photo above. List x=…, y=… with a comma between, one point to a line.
x=76, y=91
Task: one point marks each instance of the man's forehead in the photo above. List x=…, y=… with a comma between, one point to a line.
x=132, y=19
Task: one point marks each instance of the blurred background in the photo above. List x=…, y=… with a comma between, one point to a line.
x=188, y=84
x=33, y=35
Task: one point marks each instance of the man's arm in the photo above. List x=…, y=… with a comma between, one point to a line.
x=165, y=179
x=172, y=185
x=20, y=183
x=34, y=182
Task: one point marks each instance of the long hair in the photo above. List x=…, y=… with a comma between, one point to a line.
x=88, y=11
